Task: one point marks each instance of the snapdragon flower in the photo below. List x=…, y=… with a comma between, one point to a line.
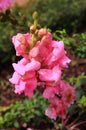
x=60, y=98
x=21, y=44
x=24, y=77
x=42, y=64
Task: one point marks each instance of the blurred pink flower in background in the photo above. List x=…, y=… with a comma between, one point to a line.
x=5, y=4
x=20, y=2
x=28, y=129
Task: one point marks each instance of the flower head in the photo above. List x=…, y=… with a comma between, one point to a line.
x=24, y=77
x=56, y=108
x=50, y=76
x=68, y=94
x=57, y=56
x=42, y=48
x=42, y=63
x=21, y=43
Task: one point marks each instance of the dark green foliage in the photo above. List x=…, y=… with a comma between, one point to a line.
x=26, y=111
x=78, y=81
x=76, y=42
x=62, y=14
x=77, y=111
x=80, y=47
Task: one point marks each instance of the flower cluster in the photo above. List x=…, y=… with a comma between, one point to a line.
x=41, y=65
x=4, y=4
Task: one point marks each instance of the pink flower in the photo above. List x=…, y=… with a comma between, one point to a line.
x=60, y=98
x=24, y=77
x=57, y=56
x=49, y=92
x=64, y=61
x=4, y=4
x=21, y=43
x=68, y=95
x=63, y=91
x=51, y=112
x=42, y=48
x=42, y=64
x=31, y=85
x=28, y=129
x=20, y=87
x=15, y=78
x=24, y=66
x=46, y=40
x=50, y=76
x=56, y=108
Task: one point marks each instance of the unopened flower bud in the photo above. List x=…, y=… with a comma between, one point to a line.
x=36, y=32
x=42, y=32
x=43, y=39
x=32, y=29
x=35, y=15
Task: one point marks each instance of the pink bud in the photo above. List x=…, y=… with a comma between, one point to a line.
x=42, y=32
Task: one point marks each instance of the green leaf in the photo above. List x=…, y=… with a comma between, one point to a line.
x=1, y=120
x=16, y=124
x=80, y=81
x=82, y=101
